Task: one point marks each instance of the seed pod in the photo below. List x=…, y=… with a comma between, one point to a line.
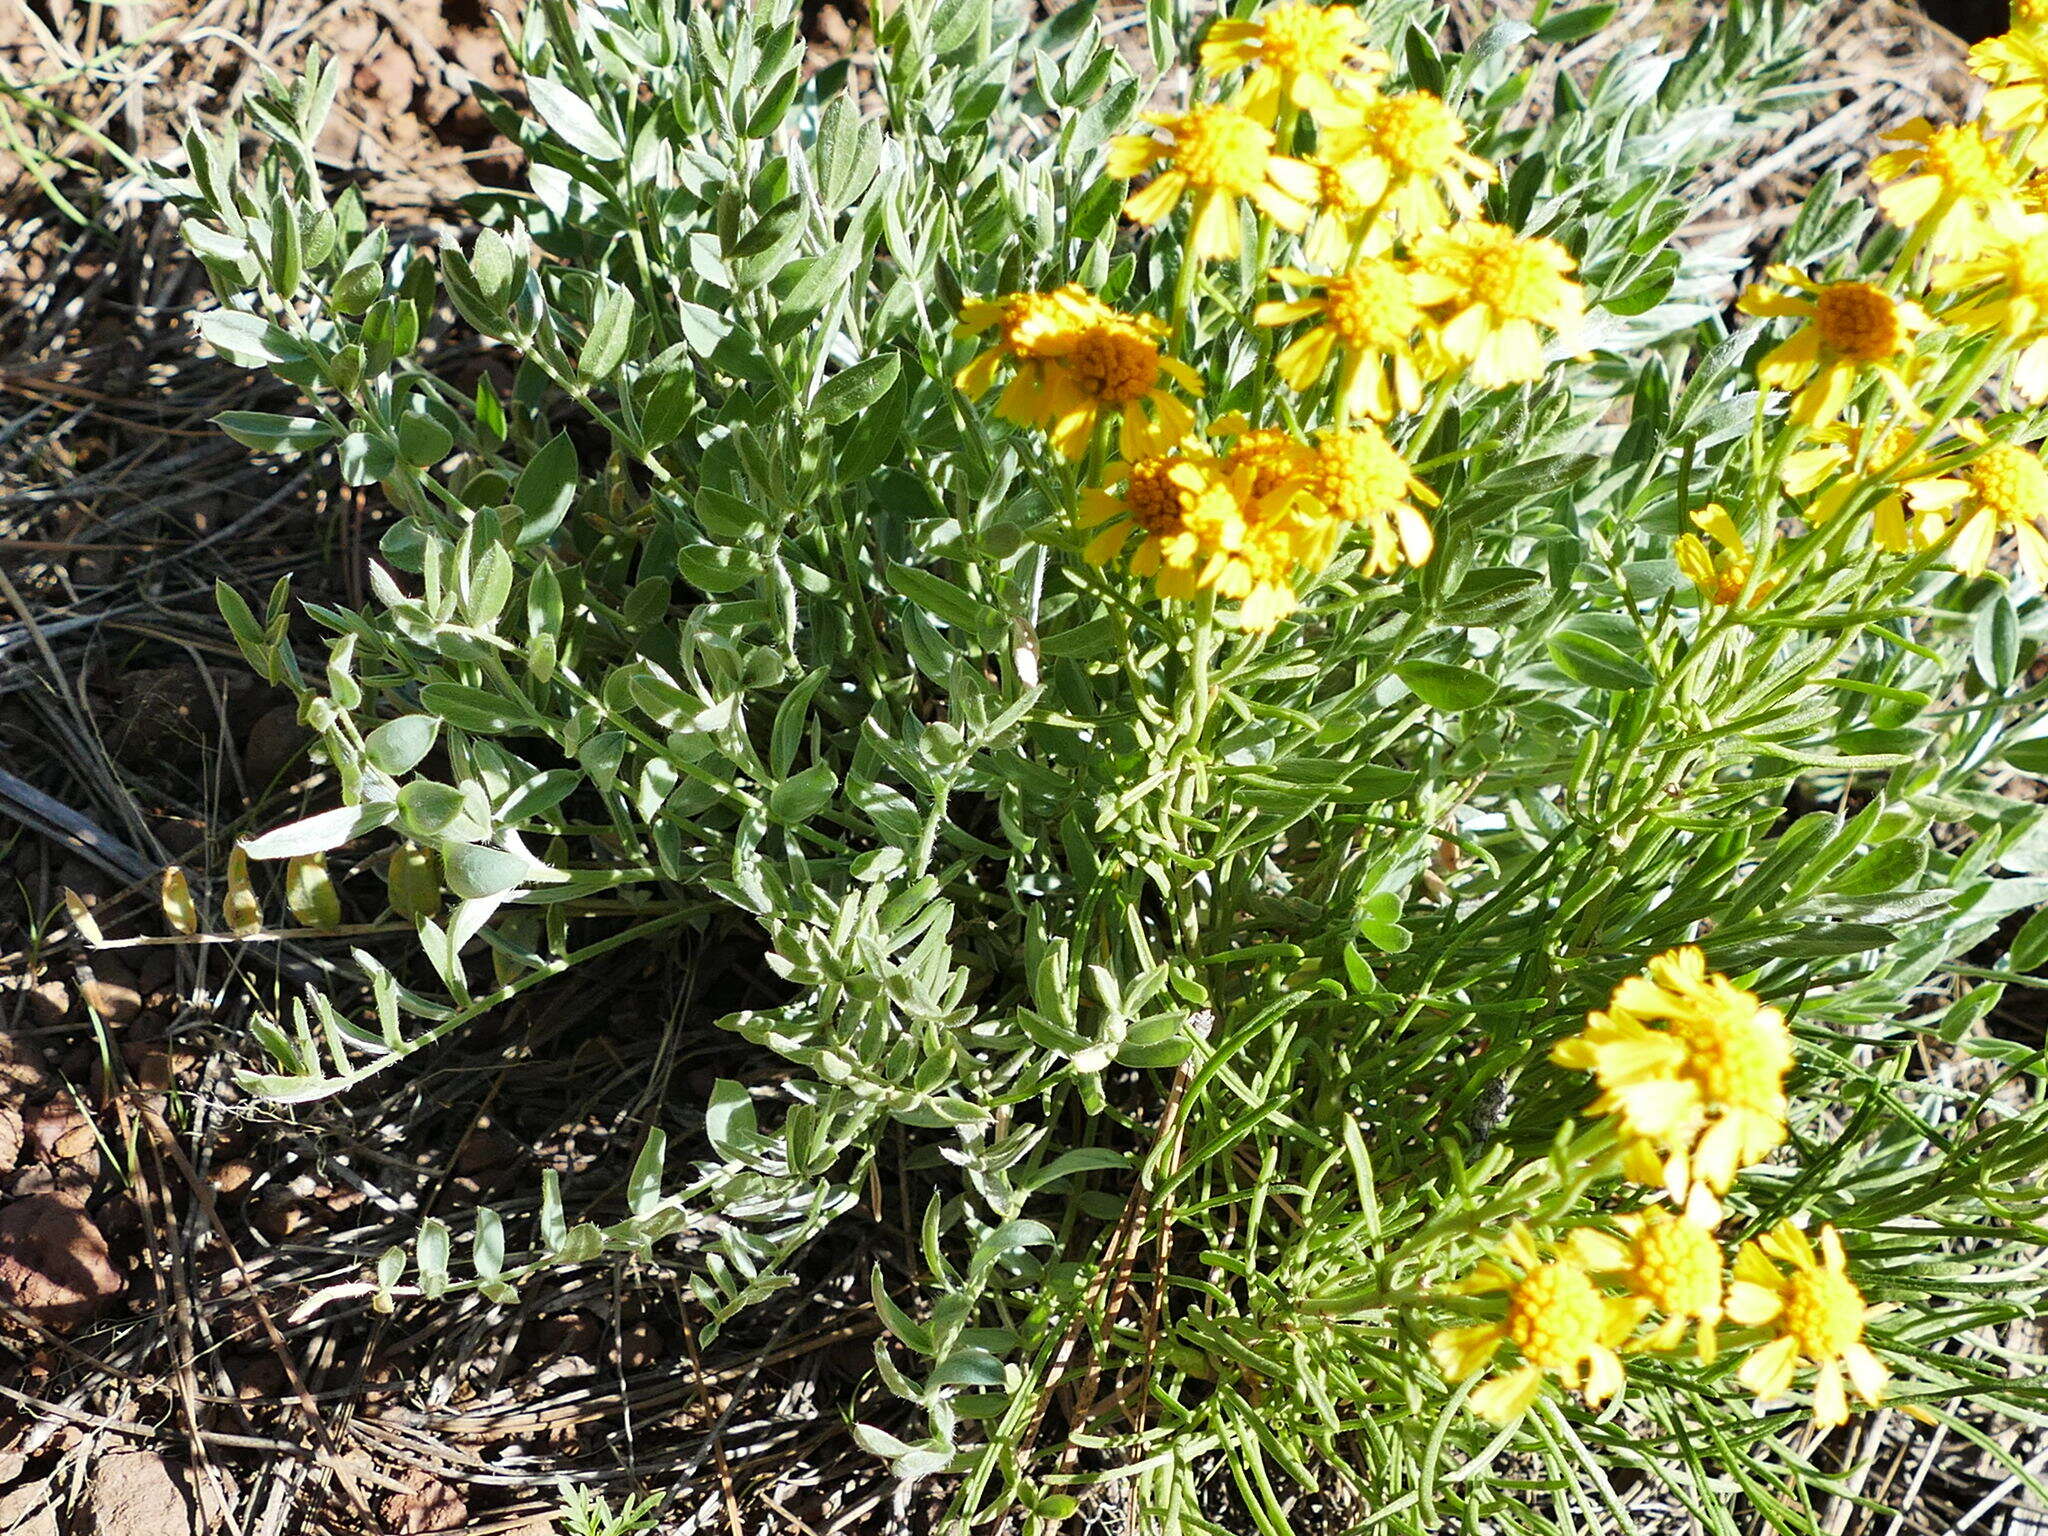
x=174, y=894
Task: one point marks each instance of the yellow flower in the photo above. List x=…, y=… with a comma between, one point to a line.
x=1410, y=158
x=1558, y=1321
x=1358, y=477
x=1310, y=56
x=1115, y=365
x=1031, y=330
x=1702, y=1097
x=1670, y=1264
x=1850, y=458
x=1849, y=327
x=1948, y=184
x=1347, y=200
x=1819, y=1316
x=2016, y=65
x=1369, y=311
x=2004, y=488
x=1215, y=155
x=2009, y=278
x=1491, y=289
x=1720, y=574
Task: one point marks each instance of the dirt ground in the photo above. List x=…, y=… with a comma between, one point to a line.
x=185, y=1343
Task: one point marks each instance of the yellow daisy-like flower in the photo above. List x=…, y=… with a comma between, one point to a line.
x=1671, y=1265
x=1848, y=458
x=1819, y=1316
x=1358, y=477
x=1369, y=312
x=1410, y=156
x=1313, y=57
x=1721, y=570
x=1557, y=1320
x=2016, y=67
x=1948, y=183
x=1699, y=1099
x=1031, y=331
x=1118, y=366
x=1214, y=155
x=1180, y=501
x=1849, y=327
x=2009, y=281
x=1347, y=202
x=1493, y=293
x=2003, y=489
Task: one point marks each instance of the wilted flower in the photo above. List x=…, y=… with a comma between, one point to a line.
x=1720, y=570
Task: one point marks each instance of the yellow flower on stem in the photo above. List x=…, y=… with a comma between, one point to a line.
x=1818, y=1314
x=1721, y=573
x=2016, y=67
x=2008, y=279
x=1849, y=327
x=1671, y=1265
x=1031, y=331
x=1493, y=293
x=1369, y=313
x=1347, y=201
x=2004, y=489
x=1848, y=459
x=1117, y=366
x=1946, y=186
x=1358, y=477
x=1312, y=57
x=1557, y=1320
x=1699, y=1099
x=1410, y=155
x=1214, y=155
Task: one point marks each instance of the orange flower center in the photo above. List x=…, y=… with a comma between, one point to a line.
x=1157, y=502
x=1369, y=307
x=1823, y=1312
x=1555, y=1316
x=1221, y=149
x=1739, y=1061
x=1300, y=38
x=1859, y=322
x=2011, y=482
x=1114, y=362
x=1358, y=474
x=1678, y=1267
x=1414, y=133
x=1270, y=454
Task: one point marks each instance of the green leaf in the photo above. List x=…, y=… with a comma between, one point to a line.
x=1445, y=687
x=945, y=601
x=246, y=340
x=476, y=870
x=611, y=333
x=798, y=799
x=570, y=118
x=2030, y=756
x=546, y=489
x=472, y=709
x=1995, y=640
x=856, y=388
x=397, y=746
x=1594, y=659
x=717, y=568
x=422, y=440
x=268, y=433
x=365, y=459
x=317, y=834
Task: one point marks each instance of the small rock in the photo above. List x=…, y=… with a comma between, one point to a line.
x=24, y=1070
x=138, y=1493
x=277, y=1214
x=48, y=1000
x=427, y=1504
x=54, y=1264
x=231, y=1178
x=149, y=1063
x=274, y=741
x=30, y=1510
x=10, y=1138
x=60, y=1133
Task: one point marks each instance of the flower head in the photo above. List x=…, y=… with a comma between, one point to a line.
x=2016, y=67
x=1359, y=477
x=1313, y=57
x=1948, y=182
x=1850, y=327
x=1214, y=155
x=1700, y=1098
x=1031, y=329
x=1409, y=153
x=1818, y=1314
x=1670, y=1264
x=1721, y=570
x=2003, y=489
x=1492, y=293
x=1368, y=312
x=2008, y=283
x=1847, y=459
x=1557, y=1320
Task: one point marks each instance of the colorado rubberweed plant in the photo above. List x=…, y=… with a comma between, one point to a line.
x=1353, y=773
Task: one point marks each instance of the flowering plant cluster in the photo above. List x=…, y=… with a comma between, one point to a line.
x=1168, y=663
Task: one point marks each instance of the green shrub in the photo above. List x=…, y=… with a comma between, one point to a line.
x=1212, y=959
